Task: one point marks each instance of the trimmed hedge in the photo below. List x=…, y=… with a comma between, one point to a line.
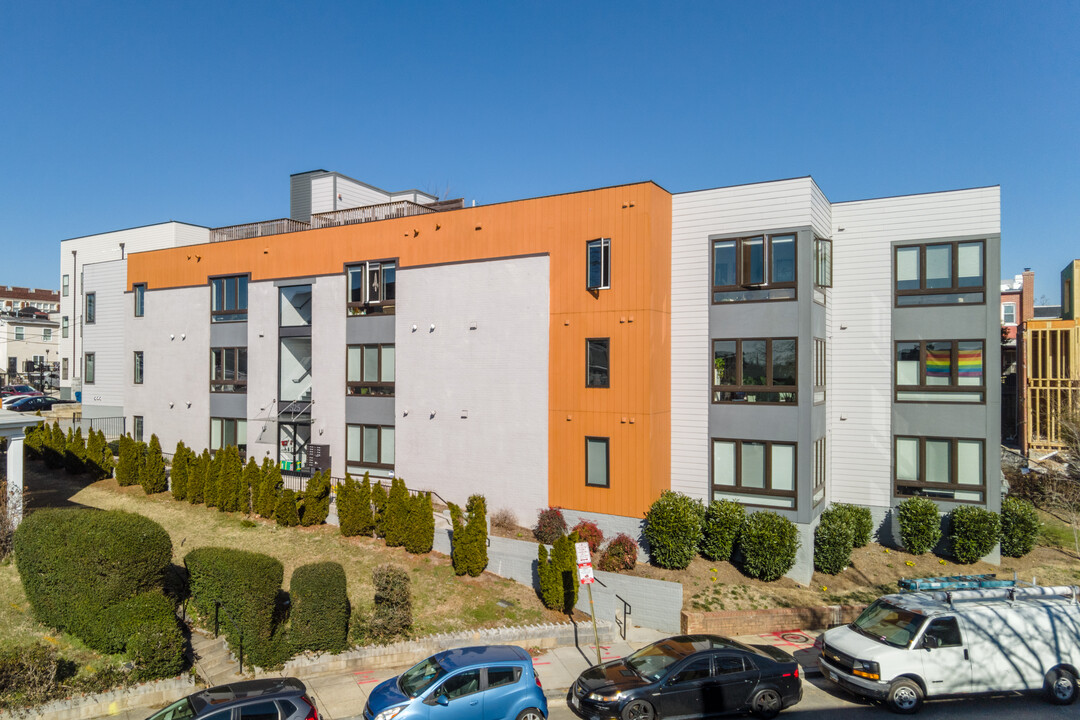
x=396, y=516
x=270, y=493
x=348, y=507
x=421, y=525
x=720, y=529
x=316, y=500
x=620, y=554
x=673, y=529
x=153, y=478
x=249, y=486
x=833, y=542
x=469, y=540
x=392, y=616
x=285, y=513
x=230, y=477
x=198, y=468
x=319, y=618
x=768, y=543
x=247, y=584
x=974, y=531
x=858, y=519
x=920, y=524
x=1019, y=527
x=181, y=470
x=550, y=525
x=146, y=627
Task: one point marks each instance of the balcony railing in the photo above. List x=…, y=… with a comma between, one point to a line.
x=369, y=213
x=257, y=229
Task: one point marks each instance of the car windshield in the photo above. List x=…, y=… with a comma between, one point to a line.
x=419, y=677
x=179, y=710
x=651, y=661
x=889, y=624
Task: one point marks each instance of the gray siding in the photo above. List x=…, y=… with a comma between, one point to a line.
x=262, y=370
x=105, y=338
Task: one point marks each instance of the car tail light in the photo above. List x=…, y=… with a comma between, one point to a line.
x=792, y=674
x=537, y=676
x=312, y=713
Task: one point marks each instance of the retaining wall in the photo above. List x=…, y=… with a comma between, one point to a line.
x=755, y=622
x=159, y=692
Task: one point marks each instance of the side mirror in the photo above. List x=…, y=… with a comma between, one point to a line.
x=442, y=700
x=930, y=642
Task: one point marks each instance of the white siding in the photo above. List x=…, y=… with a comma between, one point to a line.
x=353, y=194
x=328, y=368
x=820, y=212
x=262, y=389
x=105, y=338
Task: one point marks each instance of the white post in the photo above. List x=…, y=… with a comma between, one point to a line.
x=15, y=478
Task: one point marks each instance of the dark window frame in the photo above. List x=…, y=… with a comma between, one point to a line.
x=227, y=422
x=743, y=252
x=823, y=250
x=607, y=461
x=378, y=443
x=589, y=364
x=386, y=389
x=821, y=370
x=90, y=308
x=604, y=247
x=65, y=284
x=138, y=427
x=138, y=290
x=952, y=485
x=954, y=289
x=953, y=388
x=139, y=368
x=739, y=489
x=367, y=306
x=821, y=470
x=740, y=387
x=89, y=368
x=65, y=326
x=225, y=314
x=218, y=381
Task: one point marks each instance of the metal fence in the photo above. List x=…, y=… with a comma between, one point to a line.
x=113, y=427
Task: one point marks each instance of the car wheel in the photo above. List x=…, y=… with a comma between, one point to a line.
x=638, y=710
x=530, y=714
x=905, y=697
x=766, y=704
x=1061, y=687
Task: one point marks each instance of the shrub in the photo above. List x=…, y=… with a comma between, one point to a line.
x=920, y=524
x=768, y=543
x=96, y=450
x=396, y=516
x=316, y=503
x=421, y=525
x=199, y=467
x=1019, y=527
x=29, y=674
x=833, y=542
x=35, y=441
x=469, y=541
x=392, y=616
x=285, y=512
x=250, y=484
x=319, y=614
x=620, y=554
x=504, y=519
x=75, y=455
x=557, y=573
x=589, y=532
x=145, y=627
x=272, y=486
x=54, y=445
x=178, y=475
x=857, y=519
x=127, y=467
x=7, y=527
x=230, y=475
x=348, y=511
x=378, y=507
x=550, y=525
x=247, y=584
x=212, y=483
x=974, y=531
x=152, y=478
x=365, y=522
x=673, y=529
x=720, y=529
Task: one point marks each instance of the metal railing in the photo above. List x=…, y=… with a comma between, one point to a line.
x=297, y=482
x=626, y=610
x=113, y=427
x=257, y=229
x=369, y=213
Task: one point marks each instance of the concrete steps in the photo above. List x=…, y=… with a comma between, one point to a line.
x=214, y=663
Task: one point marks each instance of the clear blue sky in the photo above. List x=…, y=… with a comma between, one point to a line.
x=117, y=114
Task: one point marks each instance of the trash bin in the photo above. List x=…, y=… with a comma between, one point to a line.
x=78, y=396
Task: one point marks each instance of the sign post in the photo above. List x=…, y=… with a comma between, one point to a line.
x=586, y=577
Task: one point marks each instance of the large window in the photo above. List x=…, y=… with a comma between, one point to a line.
x=754, y=472
x=598, y=264
x=370, y=370
x=598, y=365
x=139, y=291
x=943, y=468
x=597, y=462
x=754, y=268
x=372, y=287
x=820, y=470
x=229, y=299
x=820, y=370
x=228, y=370
x=369, y=446
x=296, y=306
x=225, y=432
x=137, y=373
x=89, y=368
x=90, y=316
x=755, y=370
x=939, y=371
x=940, y=273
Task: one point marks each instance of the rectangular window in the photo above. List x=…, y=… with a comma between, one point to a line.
x=137, y=428
x=90, y=316
x=940, y=468
x=88, y=368
x=64, y=369
x=822, y=262
x=20, y=333
x=598, y=366
x=372, y=288
x=227, y=432
x=65, y=283
x=296, y=306
x=754, y=268
x=64, y=326
x=228, y=370
x=1008, y=313
x=369, y=446
x=755, y=370
x=138, y=374
x=370, y=370
x=139, y=291
x=940, y=273
x=820, y=468
x=46, y=334
x=940, y=371
x=820, y=369
x=229, y=299
x=598, y=264
x=597, y=460
x=754, y=472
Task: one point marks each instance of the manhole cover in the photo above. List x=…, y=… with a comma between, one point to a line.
x=794, y=638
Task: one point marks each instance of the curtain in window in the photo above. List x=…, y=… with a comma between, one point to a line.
x=938, y=363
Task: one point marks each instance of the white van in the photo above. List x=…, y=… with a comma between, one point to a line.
x=917, y=645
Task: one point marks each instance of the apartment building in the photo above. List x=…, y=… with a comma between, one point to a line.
x=13, y=299
x=28, y=344
x=591, y=349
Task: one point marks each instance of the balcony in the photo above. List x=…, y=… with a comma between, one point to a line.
x=257, y=229
x=370, y=213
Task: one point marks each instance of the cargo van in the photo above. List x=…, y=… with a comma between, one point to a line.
x=907, y=647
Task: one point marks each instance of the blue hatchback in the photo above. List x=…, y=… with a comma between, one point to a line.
x=492, y=682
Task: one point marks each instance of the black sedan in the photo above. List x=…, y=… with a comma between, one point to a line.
x=690, y=676
x=33, y=404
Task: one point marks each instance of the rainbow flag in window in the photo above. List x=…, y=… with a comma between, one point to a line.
x=938, y=362
x=970, y=363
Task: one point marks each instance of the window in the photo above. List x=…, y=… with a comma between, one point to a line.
x=296, y=306
x=939, y=273
x=820, y=469
x=370, y=370
x=64, y=326
x=91, y=308
x=139, y=291
x=229, y=299
x=756, y=371
x=946, y=631
x=939, y=371
x=1008, y=313
x=64, y=369
x=228, y=370
x=754, y=268
x=754, y=472
x=697, y=669
x=598, y=264
x=20, y=333
x=138, y=374
x=372, y=287
x=46, y=334
x=369, y=446
x=137, y=427
x=728, y=664
x=940, y=468
x=596, y=462
x=65, y=282
x=597, y=363
x=822, y=263
x=265, y=710
x=500, y=676
x=226, y=432
x=460, y=685
x=820, y=369
x=88, y=368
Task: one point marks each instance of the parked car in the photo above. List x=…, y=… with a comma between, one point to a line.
x=492, y=682
x=689, y=676
x=285, y=698
x=18, y=390
x=9, y=400
x=34, y=403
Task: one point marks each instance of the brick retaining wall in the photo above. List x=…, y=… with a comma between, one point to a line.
x=755, y=622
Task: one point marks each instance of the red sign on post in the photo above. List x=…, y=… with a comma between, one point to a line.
x=585, y=574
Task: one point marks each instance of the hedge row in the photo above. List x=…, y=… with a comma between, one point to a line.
x=92, y=456
x=973, y=531
x=319, y=616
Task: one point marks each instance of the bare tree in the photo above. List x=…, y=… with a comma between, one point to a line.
x=1061, y=497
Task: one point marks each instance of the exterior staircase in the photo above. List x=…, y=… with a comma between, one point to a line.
x=214, y=663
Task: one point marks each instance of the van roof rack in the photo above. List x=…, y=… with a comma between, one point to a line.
x=955, y=582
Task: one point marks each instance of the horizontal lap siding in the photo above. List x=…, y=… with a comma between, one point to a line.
x=105, y=337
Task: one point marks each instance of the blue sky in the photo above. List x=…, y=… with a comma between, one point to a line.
x=122, y=114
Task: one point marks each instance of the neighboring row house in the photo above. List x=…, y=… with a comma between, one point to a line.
x=586, y=350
